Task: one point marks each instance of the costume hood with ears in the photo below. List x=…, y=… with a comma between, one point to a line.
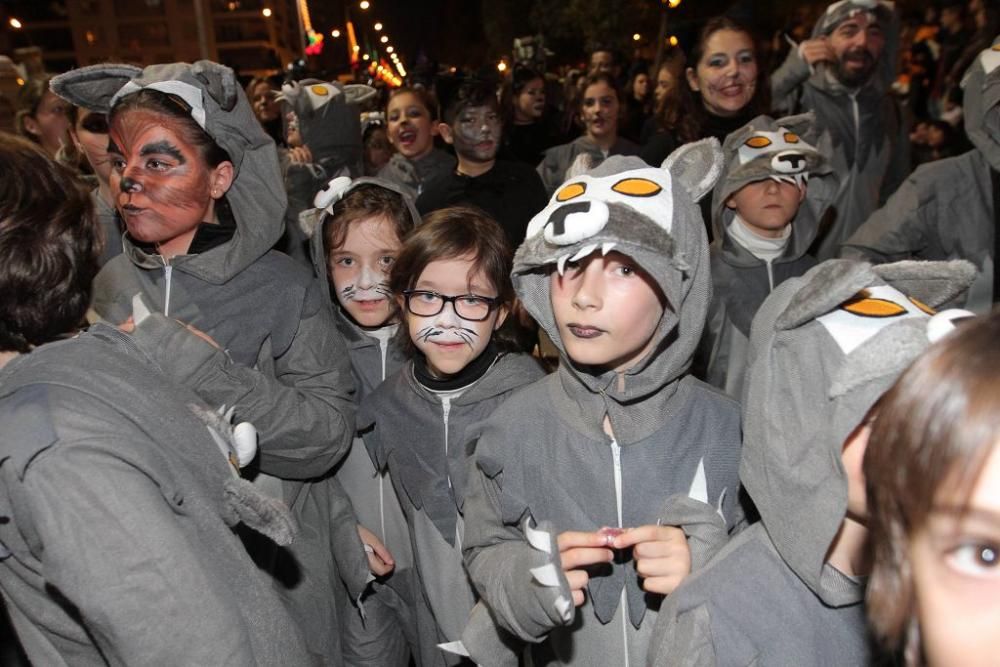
x=885, y=11
x=329, y=119
x=650, y=215
x=981, y=103
x=823, y=349
x=220, y=107
x=788, y=149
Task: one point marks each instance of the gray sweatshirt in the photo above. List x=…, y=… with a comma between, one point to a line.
x=425, y=439
x=946, y=209
x=870, y=143
x=544, y=464
x=116, y=539
x=284, y=366
x=824, y=347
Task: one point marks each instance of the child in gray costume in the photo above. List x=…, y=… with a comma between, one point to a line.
x=418, y=423
x=638, y=456
x=790, y=590
x=948, y=209
x=198, y=250
x=767, y=161
x=355, y=234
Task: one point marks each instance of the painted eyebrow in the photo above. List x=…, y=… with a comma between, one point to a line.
x=162, y=148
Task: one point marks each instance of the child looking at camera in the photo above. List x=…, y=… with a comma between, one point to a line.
x=451, y=283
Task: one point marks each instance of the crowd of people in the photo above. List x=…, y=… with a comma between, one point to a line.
x=682, y=365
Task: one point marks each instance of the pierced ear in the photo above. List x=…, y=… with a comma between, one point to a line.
x=445, y=131
x=696, y=166
x=222, y=178
x=692, y=79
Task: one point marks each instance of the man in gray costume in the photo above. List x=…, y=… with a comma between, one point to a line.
x=948, y=209
x=844, y=74
x=790, y=589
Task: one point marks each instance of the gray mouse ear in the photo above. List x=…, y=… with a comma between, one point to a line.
x=803, y=124
x=933, y=283
x=356, y=93
x=92, y=87
x=828, y=285
x=219, y=81
x=696, y=166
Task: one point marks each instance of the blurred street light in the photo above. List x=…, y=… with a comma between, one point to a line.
x=384, y=39
x=389, y=49
x=15, y=24
x=365, y=4
x=636, y=37
x=377, y=26
x=266, y=12
x=334, y=33
x=501, y=66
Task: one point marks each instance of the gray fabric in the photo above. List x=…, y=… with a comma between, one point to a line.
x=797, y=413
x=559, y=159
x=111, y=229
x=748, y=608
x=386, y=636
x=427, y=459
x=872, y=161
x=411, y=174
x=740, y=280
x=105, y=468
x=945, y=209
x=284, y=367
x=544, y=457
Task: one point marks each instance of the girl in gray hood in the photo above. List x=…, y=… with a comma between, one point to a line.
x=620, y=459
x=452, y=284
x=197, y=182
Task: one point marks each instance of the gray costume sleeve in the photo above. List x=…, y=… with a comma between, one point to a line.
x=304, y=411
x=899, y=230
x=501, y=561
x=112, y=547
x=552, y=169
x=785, y=82
x=345, y=542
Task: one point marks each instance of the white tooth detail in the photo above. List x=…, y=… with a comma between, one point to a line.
x=561, y=264
x=583, y=252
x=540, y=540
x=607, y=247
x=565, y=608
x=546, y=575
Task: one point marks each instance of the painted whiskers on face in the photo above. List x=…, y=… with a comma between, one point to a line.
x=447, y=336
x=353, y=293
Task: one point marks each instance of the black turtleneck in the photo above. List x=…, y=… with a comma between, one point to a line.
x=471, y=373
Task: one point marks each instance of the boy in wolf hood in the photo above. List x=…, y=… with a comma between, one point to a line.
x=844, y=74
x=619, y=456
x=824, y=348
x=766, y=211
x=197, y=182
x=949, y=209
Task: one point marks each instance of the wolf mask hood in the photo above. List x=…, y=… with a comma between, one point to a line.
x=220, y=107
x=651, y=216
x=823, y=350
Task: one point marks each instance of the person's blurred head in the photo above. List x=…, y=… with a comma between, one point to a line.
x=90, y=133
x=600, y=107
x=857, y=44
x=472, y=124
x=602, y=61
x=524, y=96
x=263, y=97
x=953, y=17
x=42, y=115
x=411, y=115
x=933, y=477
x=49, y=247
x=723, y=68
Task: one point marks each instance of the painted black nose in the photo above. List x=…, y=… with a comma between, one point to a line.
x=558, y=218
x=130, y=185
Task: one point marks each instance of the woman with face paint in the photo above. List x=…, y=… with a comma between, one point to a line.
x=452, y=286
x=599, y=113
x=411, y=117
x=243, y=326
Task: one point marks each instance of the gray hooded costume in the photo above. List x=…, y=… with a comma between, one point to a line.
x=782, y=150
x=544, y=464
x=558, y=159
x=117, y=517
x=948, y=209
x=329, y=118
x=824, y=348
x=386, y=635
x=282, y=365
x=425, y=439
x=870, y=144
x=411, y=174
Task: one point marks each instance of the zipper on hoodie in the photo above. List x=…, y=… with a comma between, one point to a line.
x=445, y=412
x=857, y=125
x=168, y=273
x=383, y=345
x=616, y=458
x=770, y=276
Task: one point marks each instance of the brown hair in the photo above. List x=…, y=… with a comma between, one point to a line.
x=934, y=430
x=424, y=96
x=49, y=247
x=450, y=233
x=363, y=202
x=29, y=97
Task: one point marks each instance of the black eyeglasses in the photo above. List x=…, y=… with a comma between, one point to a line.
x=472, y=307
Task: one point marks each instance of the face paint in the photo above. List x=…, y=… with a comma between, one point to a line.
x=409, y=125
x=726, y=76
x=160, y=181
x=449, y=342
x=359, y=269
x=476, y=134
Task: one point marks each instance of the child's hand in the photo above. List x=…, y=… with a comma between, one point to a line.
x=380, y=561
x=661, y=553
x=578, y=549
